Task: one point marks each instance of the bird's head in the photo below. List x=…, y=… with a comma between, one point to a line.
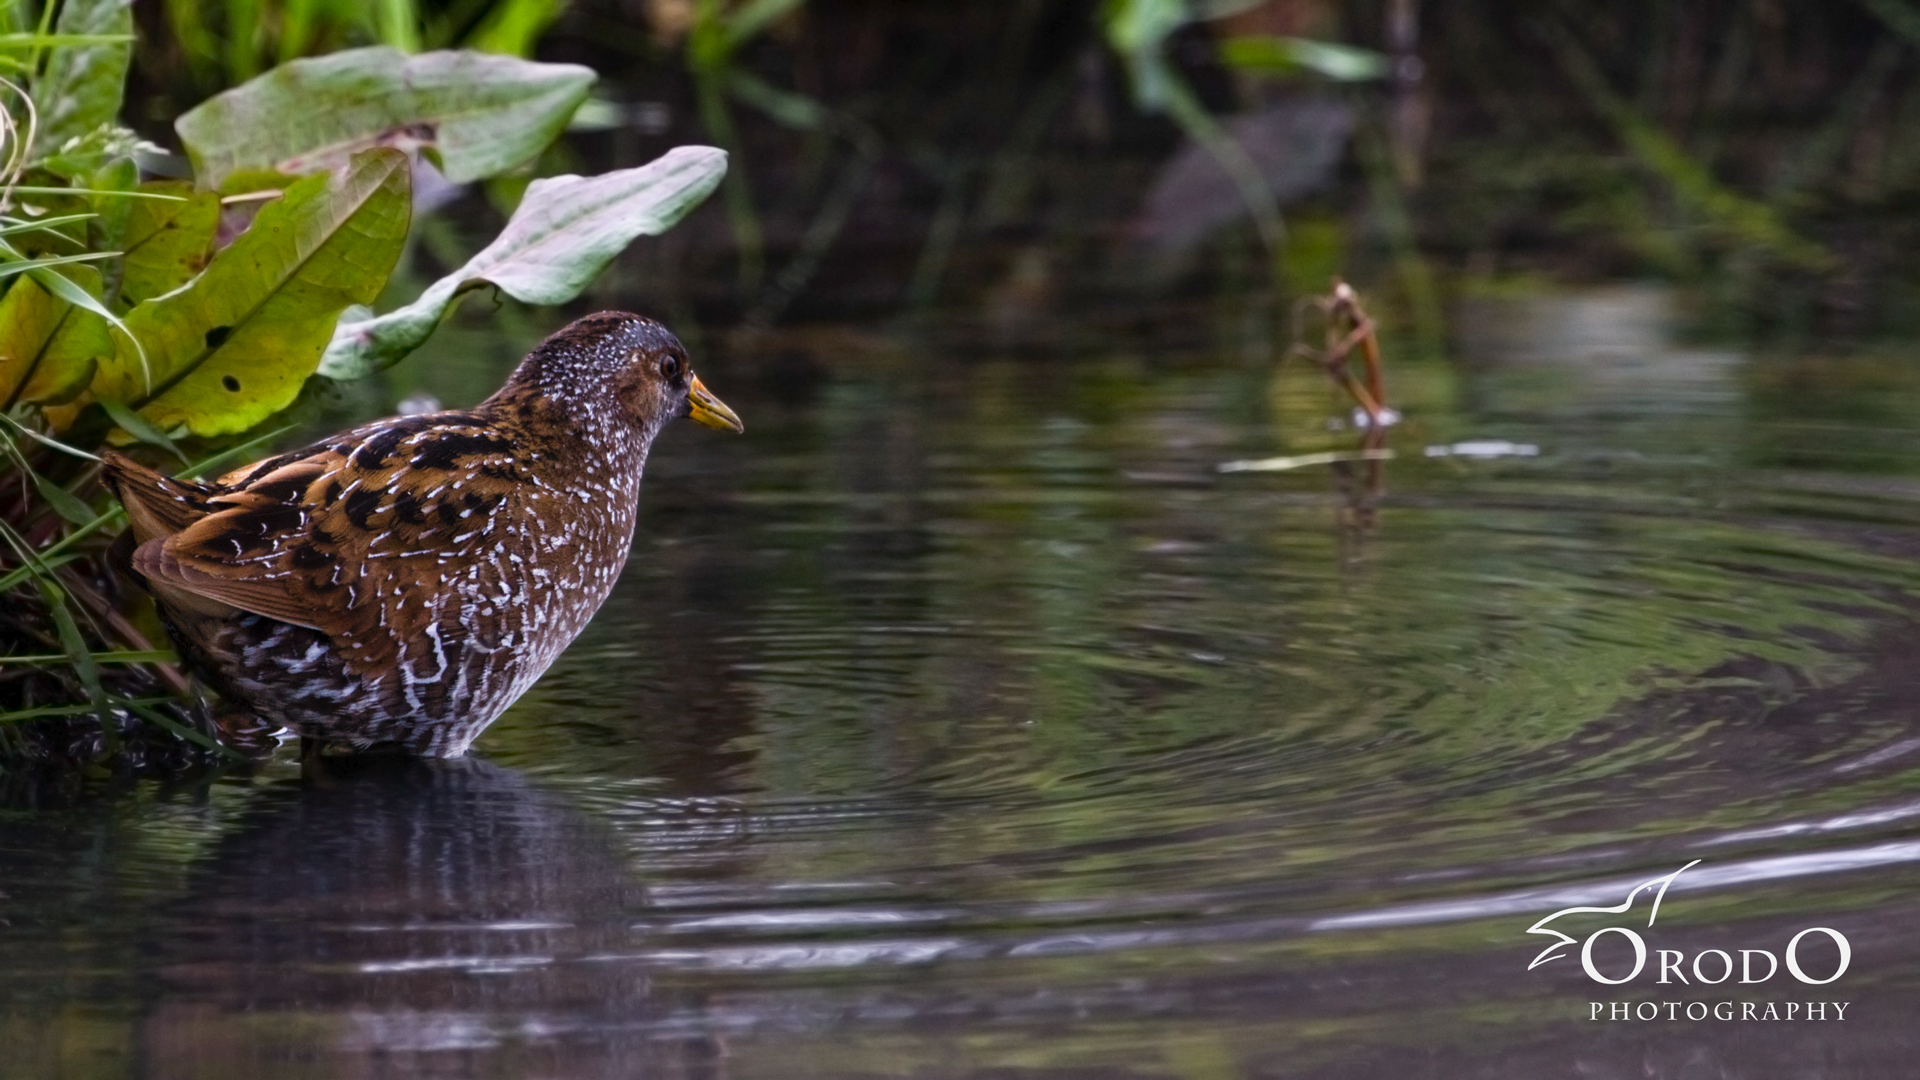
x=626, y=364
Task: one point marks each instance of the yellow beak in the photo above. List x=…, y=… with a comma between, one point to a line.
x=710, y=410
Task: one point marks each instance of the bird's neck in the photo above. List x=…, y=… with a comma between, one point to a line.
x=577, y=440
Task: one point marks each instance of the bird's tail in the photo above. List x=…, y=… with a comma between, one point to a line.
x=157, y=506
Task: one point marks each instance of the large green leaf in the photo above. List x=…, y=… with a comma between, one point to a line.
x=82, y=85
x=166, y=243
x=234, y=346
x=564, y=233
x=48, y=347
x=476, y=115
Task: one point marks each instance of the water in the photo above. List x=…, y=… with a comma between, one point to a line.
x=962, y=720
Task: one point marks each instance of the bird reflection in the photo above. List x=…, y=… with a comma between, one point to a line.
x=393, y=916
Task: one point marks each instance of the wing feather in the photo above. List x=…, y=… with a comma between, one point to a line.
x=360, y=539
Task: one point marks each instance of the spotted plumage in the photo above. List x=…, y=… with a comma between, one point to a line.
x=405, y=581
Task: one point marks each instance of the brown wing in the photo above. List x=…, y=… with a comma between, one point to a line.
x=362, y=539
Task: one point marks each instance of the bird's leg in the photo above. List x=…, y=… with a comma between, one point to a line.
x=243, y=732
x=313, y=761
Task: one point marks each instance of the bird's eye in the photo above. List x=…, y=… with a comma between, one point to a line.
x=670, y=369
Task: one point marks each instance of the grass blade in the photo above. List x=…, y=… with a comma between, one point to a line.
x=29, y=190
x=233, y=455
x=39, y=711
x=16, y=226
x=48, y=440
x=64, y=502
x=122, y=656
x=137, y=426
x=83, y=666
x=29, y=40
x=55, y=555
x=9, y=269
x=197, y=738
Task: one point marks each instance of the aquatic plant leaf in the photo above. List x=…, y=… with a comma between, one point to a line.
x=1751, y=221
x=235, y=345
x=1138, y=30
x=750, y=18
x=513, y=27
x=83, y=83
x=565, y=231
x=475, y=115
x=1270, y=55
x=1899, y=16
x=166, y=243
x=49, y=346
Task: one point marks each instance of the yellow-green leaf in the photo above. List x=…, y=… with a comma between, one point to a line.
x=48, y=347
x=167, y=243
x=234, y=346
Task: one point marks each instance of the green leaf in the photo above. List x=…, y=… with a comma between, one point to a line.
x=167, y=243
x=475, y=115
x=751, y=18
x=48, y=347
x=86, y=300
x=117, y=175
x=136, y=425
x=797, y=111
x=64, y=502
x=1138, y=30
x=563, y=234
x=1291, y=55
x=235, y=345
x=1136, y=25
x=513, y=27
x=82, y=85
x=78, y=159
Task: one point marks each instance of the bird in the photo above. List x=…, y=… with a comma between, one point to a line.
x=400, y=584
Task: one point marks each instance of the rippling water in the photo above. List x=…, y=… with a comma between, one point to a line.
x=963, y=720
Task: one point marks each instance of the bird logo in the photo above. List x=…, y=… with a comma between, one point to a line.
x=1659, y=885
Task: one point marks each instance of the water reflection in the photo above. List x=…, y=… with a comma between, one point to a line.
x=397, y=918
x=962, y=720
